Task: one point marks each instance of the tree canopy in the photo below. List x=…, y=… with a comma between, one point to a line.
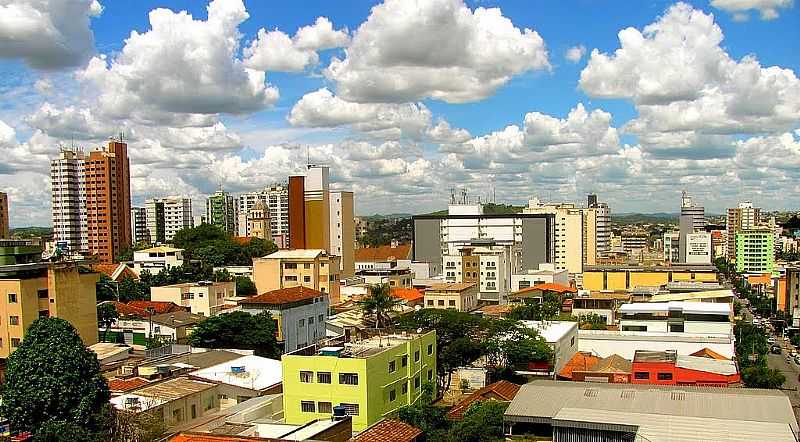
x=378, y=304
x=52, y=376
x=106, y=315
x=239, y=330
x=214, y=247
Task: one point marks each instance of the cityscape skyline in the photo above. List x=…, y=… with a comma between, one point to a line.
x=550, y=107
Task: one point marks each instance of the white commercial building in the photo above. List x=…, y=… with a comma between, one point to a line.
x=342, y=228
x=69, y=199
x=139, y=226
x=156, y=259
x=672, y=246
x=604, y=343
x=166, y=216
x=545, y=274
x=243, y=378
x=561, y=336
x=602, y=219
x=569, y=233
x=713, y=318
x=698, y=248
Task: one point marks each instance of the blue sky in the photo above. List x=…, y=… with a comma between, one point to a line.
x=674, y=112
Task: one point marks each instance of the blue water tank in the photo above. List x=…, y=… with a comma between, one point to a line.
x=339, y=411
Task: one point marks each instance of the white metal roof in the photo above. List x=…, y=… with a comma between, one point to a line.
x=259, y=373
x=552, y=331
x=718, y=366
x=708, y=308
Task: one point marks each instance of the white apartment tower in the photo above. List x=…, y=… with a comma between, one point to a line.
x=343, y=231
x=602, y=217
x=69, y=199
x=166, y=216
x=744, y=217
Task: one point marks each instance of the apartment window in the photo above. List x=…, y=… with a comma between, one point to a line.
x=177, y=415
x=665, y=376
x=290, y=265
x=291, y=278
x=301, y=323
x=194, y=411
x=572, y=342
x=321, y=318
x=348, y=378
x=641, y=375
x=44, y=313
x=13, y=320
x=42, y=293
x=416, y=383
x=310, y=320
x=441, y=302
x=430, y=302
x=392, y=395
x=404, y=361
x=451, y=303
x=350, y=409
x=430, y=374
x=430, y=349
x=307, y=406
x=324, y=377
x=404, y=388
x=307, y=377
x=392, y=366
x=416, y=356
x=324, y=407
x=12, y=298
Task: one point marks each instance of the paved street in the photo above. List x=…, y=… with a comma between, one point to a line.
x=791, y=371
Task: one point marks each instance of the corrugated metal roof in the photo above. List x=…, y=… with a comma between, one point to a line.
x=719, y=366
x=542, y=401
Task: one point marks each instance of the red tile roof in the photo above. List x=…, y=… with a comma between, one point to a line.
x=709, y=353
x=208, y=437
x=410, y=295
x=494, y=310
x=549, y=287
x=581, y=362
x=123, y=385
x=110, y=269
x=389, y=430
x=383, y=253
x=126, y=310
x=159, y=307
x=283, y=296
x=500, y=390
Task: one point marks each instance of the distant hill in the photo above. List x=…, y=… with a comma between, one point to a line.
x=379, y=216
x=641, y=218
x=489, y=209
x=31, y=232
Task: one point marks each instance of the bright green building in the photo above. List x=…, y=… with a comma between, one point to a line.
x=755, y=251
x=221, y=211
x=371, y=378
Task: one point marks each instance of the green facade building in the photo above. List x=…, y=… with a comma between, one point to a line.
x=370, y=379
x=221, y=211
x=755, y=251
x=13, y=251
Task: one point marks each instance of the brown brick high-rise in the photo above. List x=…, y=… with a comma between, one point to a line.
x=108, y=201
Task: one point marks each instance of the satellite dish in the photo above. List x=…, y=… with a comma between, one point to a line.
x=419, y=330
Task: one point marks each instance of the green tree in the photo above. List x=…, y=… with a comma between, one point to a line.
x=238, y=330
x=426, y=416
x=105, y=289
x=245, y=286
x=761, y=376
x=188, y=237
x=132, y=290
x=106, y=315
x=52, y=376
x=378, y=304
x=592, y=321
x=483, y=422
x=62, y=431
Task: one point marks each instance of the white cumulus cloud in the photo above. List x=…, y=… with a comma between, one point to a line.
x=575, y=53
x=276, y=51
x=767, y=8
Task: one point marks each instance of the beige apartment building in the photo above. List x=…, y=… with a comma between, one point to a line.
x=205, y=298
x=45, y=290
x=589, y=236
x=461, y=296
x=312, y=268
x=569, y=232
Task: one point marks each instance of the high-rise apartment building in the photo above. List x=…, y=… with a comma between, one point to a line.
x=139, y=232
x=569, y=233
x=108, y=200
x=69, y=199
x=740, y=218
x=166, y=216
x=318, y=208
x=755, y=251
x=276, y=198
x=221, y=211
x=602, y=218
x=692, y=220
x=297, y=212
x=4, y=224
x=343, y=231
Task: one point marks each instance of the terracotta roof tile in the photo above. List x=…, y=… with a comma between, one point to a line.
x=549, y=287
x=494, y=310
x=410, y=295
x=500, y=390
x=283, y=296
x=383, y=253
x=581, y=362
x=126, y=310
x=121, y=271
x=158, y=306
x=388, y=430
x=709, y=353
x=121, y=385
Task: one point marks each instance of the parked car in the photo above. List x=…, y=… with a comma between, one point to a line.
x=776, y=349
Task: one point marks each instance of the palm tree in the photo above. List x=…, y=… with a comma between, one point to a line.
x=379, y=303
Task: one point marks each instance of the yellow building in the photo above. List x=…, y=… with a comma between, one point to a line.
x=205, y=298
x=461, y=296
x=317, y=208
x=32, y=291
x=371, y=379
x=312, y=268
x=619, y=278
x=589, y=236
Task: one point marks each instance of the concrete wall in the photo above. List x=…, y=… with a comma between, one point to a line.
x=427, y=246
x=536, y=241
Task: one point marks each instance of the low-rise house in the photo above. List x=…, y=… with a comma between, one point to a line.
x=136, y=326
x=243, y=378
x=562, y=337
x=178, y=401
x=310, y=268
x=116, y=272
x=677, y=317
x=494, y=311
x=172, y=364
x=503, y=391
x=381, y=257
x=537, y=293
x=412, y=297
x=109, y=353
x=389, y=430
x=584, y=367
x=205, y=298
x=545, y=274
x=604, y=305
x=300, y=314
x=158, y=307
x=625, y=343
x=670, y=368
x=119, y=386
x=156, y=259
x=394, y=277
x=236, y=271
x=461, y=296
